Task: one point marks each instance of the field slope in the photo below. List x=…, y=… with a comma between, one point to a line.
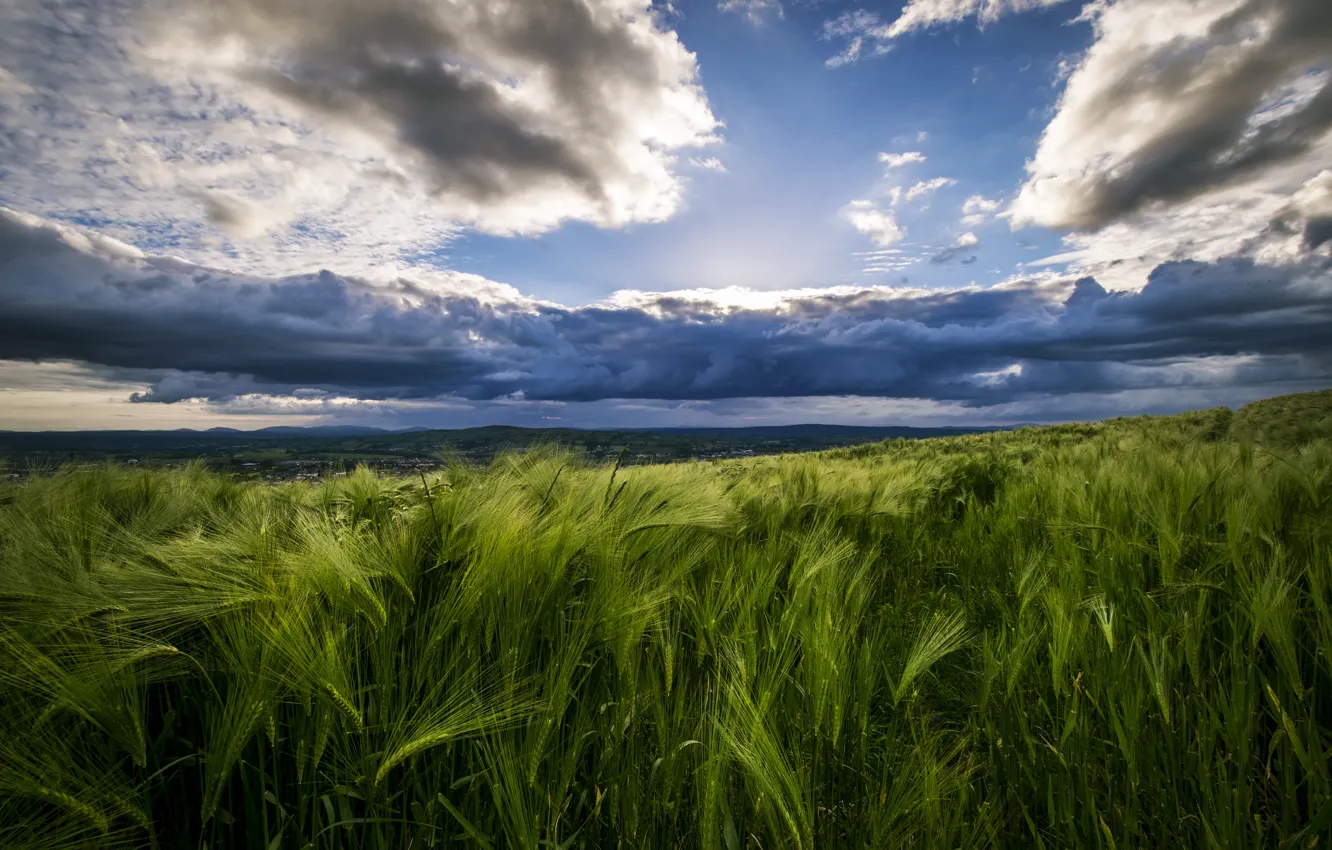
x=1290, y=420
x=1107, y=635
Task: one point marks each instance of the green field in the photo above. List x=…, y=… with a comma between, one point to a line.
x=1115, y=635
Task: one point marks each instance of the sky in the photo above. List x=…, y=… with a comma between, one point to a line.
x=630, y=213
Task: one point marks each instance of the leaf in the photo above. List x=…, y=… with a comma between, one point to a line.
x=732, y=839
x=479, y=836
x=1320, y=823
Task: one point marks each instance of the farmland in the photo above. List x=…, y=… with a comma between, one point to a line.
x=285, y=454
x=1104, y=635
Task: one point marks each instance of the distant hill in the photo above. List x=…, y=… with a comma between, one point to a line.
x=148, y=441
x=1284, y=421
x=320, y=431
x=352, y=442
x=76, y=439
x=868, y=432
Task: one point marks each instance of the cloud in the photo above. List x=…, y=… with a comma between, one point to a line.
x=883, y=261
x=897, y=160
x=1177, y=99
x=710, y=163
x=977, y=210
x=862, y=32
x=191, y=332
x=866, y=34
x=925, y=188
x=238, y=216
x=68, y=397
x=926, y=14
x=282, y=133
x=756, y=11
x=879, y=225
x=1275, y=220
x=959, y=251
x=1312, y=208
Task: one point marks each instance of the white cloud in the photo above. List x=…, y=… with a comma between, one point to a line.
x=886, y=260
x=960, y=250
x=733, y=298
x=1313, y=204
x=1268, y=223
x=897, y=160
x=1177, y=99
x=244, y=133
x=925, y=188
x=756, y=11
x=879, y=225
x=924, y=14
x=866, y=34
x=977, y=210
x=1191, y=129
x=710, y=163
x=862, y=32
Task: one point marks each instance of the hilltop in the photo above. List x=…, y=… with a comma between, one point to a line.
x=1288, y=420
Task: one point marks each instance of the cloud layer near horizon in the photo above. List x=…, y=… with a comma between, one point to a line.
x=193, y=332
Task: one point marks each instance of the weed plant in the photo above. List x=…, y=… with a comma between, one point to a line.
x=1114, y=635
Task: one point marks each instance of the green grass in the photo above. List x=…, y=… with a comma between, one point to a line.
x=1290, y=420
x=1114, y=635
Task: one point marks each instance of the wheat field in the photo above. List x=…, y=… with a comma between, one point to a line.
x=1115, y=635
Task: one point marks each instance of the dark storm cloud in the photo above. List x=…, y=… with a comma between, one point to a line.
x=1317, y=232
x=194, y=332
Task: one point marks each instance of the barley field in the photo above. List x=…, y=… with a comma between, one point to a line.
x=1116, y=635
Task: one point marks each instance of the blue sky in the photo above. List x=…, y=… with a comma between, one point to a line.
x=629, y=213
x=801, y=139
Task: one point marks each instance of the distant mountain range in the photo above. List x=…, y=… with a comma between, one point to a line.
x=358, y=440
x=813, y=431
x=194, y=433
x=879, y=432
